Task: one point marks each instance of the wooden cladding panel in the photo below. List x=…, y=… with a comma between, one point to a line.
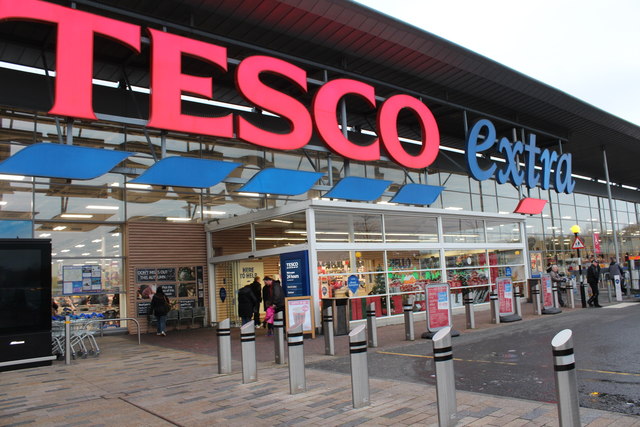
x=155, y=244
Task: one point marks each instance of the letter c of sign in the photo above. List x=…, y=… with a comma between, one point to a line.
x=388, y=131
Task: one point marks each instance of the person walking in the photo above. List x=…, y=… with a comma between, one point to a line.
x=160, y=307
x=593, y=277
x=559, y=281
x=616, y=269
x=247, y=303
x=256, y=288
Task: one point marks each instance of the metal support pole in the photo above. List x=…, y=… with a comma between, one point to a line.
x=535, y=296
x=295, y=341
x=470, y=312
x=565, y=373
x=583, y=293
x=359, y=368
x=409, y=333
x=495, y=308
x=445, y=379
x=224, y=346
x=248, y=347
x=570, y=296
x=278, y=337
x=371, y=325
x=327, y=330
x=67, y=340
x=611, y=210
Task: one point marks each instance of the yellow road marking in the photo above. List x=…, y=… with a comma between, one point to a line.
x=503, y=363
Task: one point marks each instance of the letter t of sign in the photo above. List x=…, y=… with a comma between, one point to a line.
x=74, y=56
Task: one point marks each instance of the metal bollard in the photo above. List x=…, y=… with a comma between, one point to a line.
x=224, y=346
x=535, y=296
x=445, y=379
x=278, y=337
x=67, y=340
x=470, y=312
x=295, y=341
x=327, y=330
x=609, y=291
x=409, y=333
x=248, y=346
x=371, y=325
x=565, y=374
x=359, y=368
x=517, y=295
x=495, y=308
x=554, y=290
x=570, y=295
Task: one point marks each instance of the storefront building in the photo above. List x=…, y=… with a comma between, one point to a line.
x=192, y=146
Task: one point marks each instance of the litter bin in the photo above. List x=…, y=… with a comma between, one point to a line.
x=340, y=308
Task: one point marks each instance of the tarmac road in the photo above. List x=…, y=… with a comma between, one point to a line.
x=515, y=360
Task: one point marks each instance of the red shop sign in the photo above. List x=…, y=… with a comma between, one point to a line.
x=73, y=88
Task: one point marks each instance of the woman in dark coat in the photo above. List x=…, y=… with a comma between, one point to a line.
x=247, y=304
x=160, y=306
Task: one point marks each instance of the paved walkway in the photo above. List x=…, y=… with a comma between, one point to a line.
x=153, y=384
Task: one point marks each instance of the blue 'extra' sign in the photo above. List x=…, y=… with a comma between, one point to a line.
x=482, y=137
x=294, y=269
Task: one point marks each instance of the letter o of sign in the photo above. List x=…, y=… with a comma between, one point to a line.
x=388, y=131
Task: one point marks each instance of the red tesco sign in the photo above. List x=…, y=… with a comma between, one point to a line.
x=74, y=72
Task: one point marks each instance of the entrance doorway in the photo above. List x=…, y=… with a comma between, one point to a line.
x=230, y=276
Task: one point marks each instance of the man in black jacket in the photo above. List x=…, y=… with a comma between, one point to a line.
x=247, y=303
x=593, y=277
x=257, y=292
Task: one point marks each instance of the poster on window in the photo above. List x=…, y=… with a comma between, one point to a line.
x=505, y=295
x=438, y=306
x=546, y=291
x=79, y=279
x=300, y=309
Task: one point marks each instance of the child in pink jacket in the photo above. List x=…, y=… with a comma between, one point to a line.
x=270, y=314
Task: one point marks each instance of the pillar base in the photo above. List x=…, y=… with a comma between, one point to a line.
x=510, y=318
x=551, y=310
x=429, y=335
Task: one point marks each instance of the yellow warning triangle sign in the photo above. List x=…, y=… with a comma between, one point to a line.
x=578, y=243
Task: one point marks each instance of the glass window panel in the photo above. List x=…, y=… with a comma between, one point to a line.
x=516, y=271
x=81, y=239
x=411, y=281
x=455, y=182
x=508, y=190
x=582, y=200
x=453, y=200
x=15, y=200
x=413, y=260
x=10, y=229
x=488, y=187
x=467, y=277
x=566, y=199
x=282, y=231
x=163, y=205
x=465, y=259
x=332, y=227
x=503, y=232
x=367, y=228
x=232, y=240
x=463, y=230
x=505, y=257
x=82, y=202
x=399, y=228
x=333, y=262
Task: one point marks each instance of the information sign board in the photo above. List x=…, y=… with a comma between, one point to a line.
x=300, y=309
x=438, y=306
x=353, y=283
x=546, y=291
x=505, y=295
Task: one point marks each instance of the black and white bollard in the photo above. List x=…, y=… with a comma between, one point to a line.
x=295, y=341
x=469, y=312
x=327, y=330
x=517, y=295
x=445, y=379
x=371, y=325
x=535, y=296
x=359, y=367
x=248, y=347
x=495, y=308
x=565, y=373
x=409, y=333
x=570, y=296
x=278, y=337
x=555, y=290
x=67, y=340
x=224, y=346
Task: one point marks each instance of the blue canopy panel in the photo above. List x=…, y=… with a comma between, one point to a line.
x=356, y=188
x=62, y=161
x=281, y=181
x=417, y=194
x=186, y=172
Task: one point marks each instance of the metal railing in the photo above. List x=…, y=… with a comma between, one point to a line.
x=117, y=319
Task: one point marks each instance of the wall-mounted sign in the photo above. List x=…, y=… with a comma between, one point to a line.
x=143, y=308
x=223, y=294
x=166, y=274
x=145, y=275
x=78, y=279
x=294, y=270
x=482, y=137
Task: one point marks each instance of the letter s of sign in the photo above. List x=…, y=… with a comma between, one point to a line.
x=474, y=147
x=74, y=55
x=168, y=82
x=249, y=84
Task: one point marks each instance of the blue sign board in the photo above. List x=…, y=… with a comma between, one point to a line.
x=353, y=283
x=294, y=269
x=507, y=271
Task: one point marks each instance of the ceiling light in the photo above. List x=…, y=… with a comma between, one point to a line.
x=44, y=235
x=115, y=234
x=170, y=218
x=453, y=208
x=103, y=207
x=76, y=216
x=3, y=203
x=213, y=212
x=86, y=254
x=282, y=221
x=60, y=228
x=96, y=241
x=138, y=186
x=116, y=246
x=249, y=194
x=64, y=251
x=79, y=246
x=11, y=177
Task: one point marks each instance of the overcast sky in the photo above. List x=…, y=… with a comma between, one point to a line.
x=589, y=49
